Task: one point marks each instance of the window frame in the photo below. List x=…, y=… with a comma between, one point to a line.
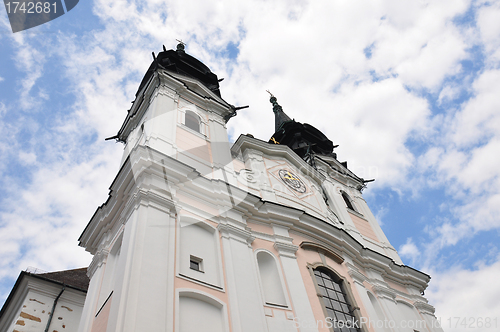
x=197, y=261
x=345, y=287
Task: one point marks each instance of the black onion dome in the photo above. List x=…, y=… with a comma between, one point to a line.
x=180, y=62
x=303, y=139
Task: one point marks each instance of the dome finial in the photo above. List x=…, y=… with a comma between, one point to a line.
x=274, y=101
x=181, y=46
x=279, y=116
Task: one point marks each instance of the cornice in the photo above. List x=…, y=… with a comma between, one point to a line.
x=263, y=236
x=424, y=307
x=384, y=292
x=208, y=97
x=229, y=231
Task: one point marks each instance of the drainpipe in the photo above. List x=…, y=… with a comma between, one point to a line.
x=54, y=308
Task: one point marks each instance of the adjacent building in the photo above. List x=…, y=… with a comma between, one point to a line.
x=42, y=301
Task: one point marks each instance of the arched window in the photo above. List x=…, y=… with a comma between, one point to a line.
x=192, y=121
x=348, y=201
x=270, y=279
x=338, y=307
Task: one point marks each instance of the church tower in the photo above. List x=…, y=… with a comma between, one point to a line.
x=201, y=235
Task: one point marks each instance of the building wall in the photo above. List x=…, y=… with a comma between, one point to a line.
x=184, y=195
x=37, y=304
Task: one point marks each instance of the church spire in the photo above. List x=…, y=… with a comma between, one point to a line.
x=280, y=117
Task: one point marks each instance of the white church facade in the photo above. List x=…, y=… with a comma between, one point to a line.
x=199, y=234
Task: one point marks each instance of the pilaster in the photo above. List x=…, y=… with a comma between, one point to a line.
x=247, y=312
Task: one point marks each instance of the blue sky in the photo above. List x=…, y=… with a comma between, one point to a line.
x=408, y=89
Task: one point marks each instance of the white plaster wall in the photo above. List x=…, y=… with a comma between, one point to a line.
x=337, y=202
x=245, y=301
x=143, y=290
x=377, y=314
x=197, y=315
x=107, y=283
x=280, y=323
x=199, y=240
x=90, y=306
x=409, y=319
x=160, y=123
x=270, y=279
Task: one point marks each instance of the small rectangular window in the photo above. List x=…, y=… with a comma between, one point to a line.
x=195, y=263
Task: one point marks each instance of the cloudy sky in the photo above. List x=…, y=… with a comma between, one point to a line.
x=409, y=89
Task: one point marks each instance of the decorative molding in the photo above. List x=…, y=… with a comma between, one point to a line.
x=355, y=274
x=424, y=308
x=163, y=89
x=248, y=178
x=286, y=249
x=384, y=292
x=98, y=260
x=306, y=245
x=229, y=231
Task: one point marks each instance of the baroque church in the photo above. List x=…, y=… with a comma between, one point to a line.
x=201, y=234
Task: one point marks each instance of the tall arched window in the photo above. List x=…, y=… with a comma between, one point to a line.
x=338, y=307
x=348, y=201
x=192, y=121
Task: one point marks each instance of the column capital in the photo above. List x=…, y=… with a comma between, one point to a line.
x=286, y=249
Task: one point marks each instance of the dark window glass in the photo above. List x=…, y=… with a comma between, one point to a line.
x=192, y=121
x=194, y=265
x=322, y=291
x=328, y=283
x=335, y=301
x=347, y=201
x=331, y=294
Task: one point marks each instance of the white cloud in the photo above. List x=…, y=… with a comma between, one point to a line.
x=466, y=294
x=27, y=158
x=418, y=41
x=45, y=217
x=467, y=162
x=31, y=61
x=488, y=22
x=448, y=93
x=479, y=119
x=409, y=251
